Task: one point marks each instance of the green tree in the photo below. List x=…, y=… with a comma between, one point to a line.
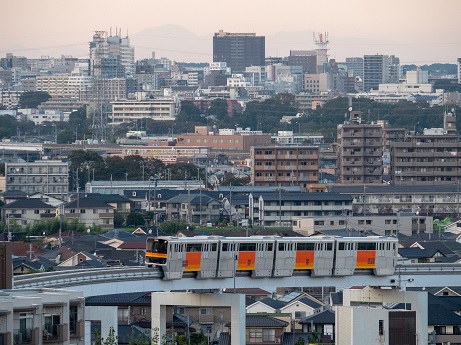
x=111, y=338
x=198, y=338
x=32, y=99
x=230, y=180
x=135, y=219
x=218, y=108
x=174, y=226
x=119, y=220
x=189, y=113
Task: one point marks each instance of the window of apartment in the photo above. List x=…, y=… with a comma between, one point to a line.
x=205, y=311
x=387, y=221
x=267, y=163
x=72, y=210
x=269, y=335
x=36, y=211
x=82, y=210
x=361, y=222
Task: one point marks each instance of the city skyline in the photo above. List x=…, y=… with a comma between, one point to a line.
x=416, y=32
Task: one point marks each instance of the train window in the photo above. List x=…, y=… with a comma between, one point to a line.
x=247, y=247
x=213, y=247
x=366, y=246
x=305, y=246
x=341, y=246
x=225, y=247
x=194, y=247
x=281, y=247
x=270, y=247
x=330, y=246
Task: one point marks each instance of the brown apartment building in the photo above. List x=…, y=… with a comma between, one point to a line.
x=429, y=158
x=360, y=151
x=284, y=165
x=207, y=136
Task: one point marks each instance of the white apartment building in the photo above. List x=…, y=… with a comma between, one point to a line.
x=237, y=80
x=384, y=225
x=156, y=109
x=47, y=176
x=63, y=85
x=38, y=117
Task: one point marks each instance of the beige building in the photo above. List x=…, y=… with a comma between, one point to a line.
x=26, y=212
x=42, y=316
x=154, y=109
x=90, y=212
x=47, y=176
x=223, y=141
x=284, y=165
x=360, y=151
x=367, y=316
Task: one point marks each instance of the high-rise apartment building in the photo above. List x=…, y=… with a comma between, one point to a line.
x=284, y=165
x=111, y=56
x=239, y=50
x=360, y=151
x=429, y=158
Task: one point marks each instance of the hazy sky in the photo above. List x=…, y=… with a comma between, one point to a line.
x=420, y=31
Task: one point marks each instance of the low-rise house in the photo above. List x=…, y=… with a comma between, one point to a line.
x=263, y=329
x=26, y=212
x=320, y=327
x=195, y=208
x=90, y=212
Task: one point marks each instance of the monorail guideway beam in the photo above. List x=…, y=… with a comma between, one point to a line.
x=235, y=301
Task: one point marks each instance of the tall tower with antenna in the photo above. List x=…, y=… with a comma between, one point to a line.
x=321, y=41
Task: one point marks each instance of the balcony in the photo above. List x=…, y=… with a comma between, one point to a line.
x=77, y=329
x=5, y=338
x=28, y=336
x=55, y=333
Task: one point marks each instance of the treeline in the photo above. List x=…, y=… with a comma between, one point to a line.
x=88, y=165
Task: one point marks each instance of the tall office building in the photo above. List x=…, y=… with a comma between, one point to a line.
x=305, y=58
x=356, y=65
x=239, y=50
x=375, y=71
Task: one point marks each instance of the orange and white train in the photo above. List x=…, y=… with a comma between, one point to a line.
x=267, y=256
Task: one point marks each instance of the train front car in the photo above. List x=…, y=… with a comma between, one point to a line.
x=246, y=254
x=314, y=255
x=156, y=251
x=373, y=253
x=187, y=255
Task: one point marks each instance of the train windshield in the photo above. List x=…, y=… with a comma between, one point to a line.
x=158, y=246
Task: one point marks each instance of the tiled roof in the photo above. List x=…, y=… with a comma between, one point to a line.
x=28, y=204
x=337, y=298
x=20, y=248
x=324, y=317
x=119, y=234
x=416, y=253
x=86, y=203
x=130, y=298
x=273, y=303
x=261, y=320
x=304, y=197
x=310, y=303
x=440, y=315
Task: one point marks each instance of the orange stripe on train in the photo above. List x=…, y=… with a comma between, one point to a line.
x=246, y=261
x=156, y=255
x=192, y=262
x=304, y=260
x=366, y=259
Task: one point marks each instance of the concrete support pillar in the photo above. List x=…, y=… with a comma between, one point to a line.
x=235, y=301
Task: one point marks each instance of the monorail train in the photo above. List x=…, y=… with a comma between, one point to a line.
x=266, y=256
